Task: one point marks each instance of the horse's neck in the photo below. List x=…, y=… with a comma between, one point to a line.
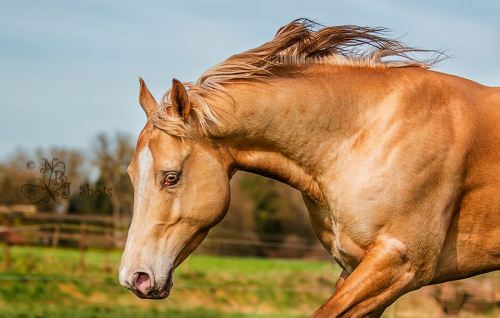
x=290, y=129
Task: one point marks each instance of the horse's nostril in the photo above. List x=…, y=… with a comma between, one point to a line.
x=141, y=282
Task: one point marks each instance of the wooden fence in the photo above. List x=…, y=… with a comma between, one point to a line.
x=55, y=229
x=108, y=233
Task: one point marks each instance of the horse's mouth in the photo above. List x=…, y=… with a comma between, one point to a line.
x=153, y=294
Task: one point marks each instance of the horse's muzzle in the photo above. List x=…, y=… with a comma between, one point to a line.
x=143, y=285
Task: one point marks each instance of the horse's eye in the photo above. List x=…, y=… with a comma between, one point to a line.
x=170, y=178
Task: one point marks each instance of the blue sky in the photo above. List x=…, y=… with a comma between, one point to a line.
x=69, y=69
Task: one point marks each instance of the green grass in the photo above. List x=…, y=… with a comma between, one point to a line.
x=45, y=282
x=103, y=311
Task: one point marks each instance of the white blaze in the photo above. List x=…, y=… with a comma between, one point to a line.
x=145, y=174
x=145, y=162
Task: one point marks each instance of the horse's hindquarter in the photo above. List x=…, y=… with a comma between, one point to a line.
x=472, y=244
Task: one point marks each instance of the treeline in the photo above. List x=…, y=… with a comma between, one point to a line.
x=98, y=183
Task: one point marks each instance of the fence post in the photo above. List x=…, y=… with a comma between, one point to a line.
x=55, y=235
x=108, y=241
x=5, y=242
x=6, y=254
x=82, y=245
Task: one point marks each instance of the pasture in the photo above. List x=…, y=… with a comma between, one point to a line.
x=47, y=282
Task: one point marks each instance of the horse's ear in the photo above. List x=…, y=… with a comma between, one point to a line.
x=180, y=100
x=146, y=99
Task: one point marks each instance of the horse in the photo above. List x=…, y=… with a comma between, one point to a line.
x=397, y=164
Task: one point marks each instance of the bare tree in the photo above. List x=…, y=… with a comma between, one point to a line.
x=111, y=157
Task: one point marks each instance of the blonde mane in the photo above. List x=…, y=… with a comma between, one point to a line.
x=302, y=42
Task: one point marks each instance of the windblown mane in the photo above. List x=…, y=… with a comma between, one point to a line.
x=301, y=42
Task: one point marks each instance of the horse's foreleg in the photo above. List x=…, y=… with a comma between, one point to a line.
x=340, y=281
x=382, y=276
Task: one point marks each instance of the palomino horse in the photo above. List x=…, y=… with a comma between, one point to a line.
x=398, y=165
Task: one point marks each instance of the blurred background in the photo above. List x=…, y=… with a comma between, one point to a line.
x=69, y=117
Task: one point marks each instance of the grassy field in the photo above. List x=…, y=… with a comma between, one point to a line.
x=45, y=282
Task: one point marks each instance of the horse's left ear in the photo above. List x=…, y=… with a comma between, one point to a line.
x=180, y=100
x=146, y=99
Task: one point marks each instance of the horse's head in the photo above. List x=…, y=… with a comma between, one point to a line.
x=181, y=190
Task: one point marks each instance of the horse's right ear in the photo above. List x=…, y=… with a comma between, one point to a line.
x=180, y=100
x=146, y=99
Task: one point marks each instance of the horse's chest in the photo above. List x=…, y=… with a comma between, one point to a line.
x=335, y=236
x=345, y=250
x=358, y=213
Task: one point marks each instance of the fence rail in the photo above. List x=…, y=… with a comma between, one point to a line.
x=105, y=232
